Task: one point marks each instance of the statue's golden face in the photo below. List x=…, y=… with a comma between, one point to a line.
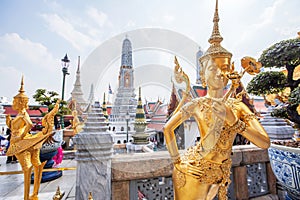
x=223, y=64
x=214, y=73
x=20, y=103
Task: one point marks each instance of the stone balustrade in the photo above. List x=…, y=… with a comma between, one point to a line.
x=150, y=174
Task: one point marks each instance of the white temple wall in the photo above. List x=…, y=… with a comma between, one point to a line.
x=191, y=133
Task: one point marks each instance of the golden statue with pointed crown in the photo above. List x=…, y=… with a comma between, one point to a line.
x=204, y=170
x=25, y=146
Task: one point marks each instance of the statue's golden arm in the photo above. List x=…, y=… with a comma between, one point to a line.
x=254, y=131
x=8, y=121
x=28, y=124
x=48, y=120
x=169, y=128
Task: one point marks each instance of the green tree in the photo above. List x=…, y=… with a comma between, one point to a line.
x=267, y=83
x=49, y=98
x=284, y=54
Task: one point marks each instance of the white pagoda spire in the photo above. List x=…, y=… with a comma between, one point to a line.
x=77, y=93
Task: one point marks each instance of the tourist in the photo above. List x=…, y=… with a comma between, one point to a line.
x=59, y=155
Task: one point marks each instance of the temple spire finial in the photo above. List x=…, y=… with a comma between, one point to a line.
x=78, y=71
x=21, y=90
x=21, y=93
x=140, y=93
x=216, y=36
x=215, y=49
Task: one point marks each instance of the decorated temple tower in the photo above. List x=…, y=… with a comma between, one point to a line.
x=124, y=108
x=77, y=93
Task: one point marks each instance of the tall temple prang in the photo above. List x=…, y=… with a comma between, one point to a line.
x=125, y=101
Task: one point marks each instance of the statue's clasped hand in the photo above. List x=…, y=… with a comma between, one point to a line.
x=191, y=170
x=224, y=112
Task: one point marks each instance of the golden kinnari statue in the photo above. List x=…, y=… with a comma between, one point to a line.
x=25, y=146
x=77, y=125
x=204, y=170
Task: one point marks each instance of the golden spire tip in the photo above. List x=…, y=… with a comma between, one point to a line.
x=140, y=92
x=22, y=85
x=215, y=35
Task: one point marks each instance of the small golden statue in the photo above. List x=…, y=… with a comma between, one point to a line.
x=25, y=146
x=77, y=125
x=58, y=194
x=204, y=170
x=90, y=197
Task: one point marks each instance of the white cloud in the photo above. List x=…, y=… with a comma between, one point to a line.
x=268, y=15
x=67, y=31
x=10, y=76
x=270, y=27
x=97, y=16
x=24, y=49
x=33, y=60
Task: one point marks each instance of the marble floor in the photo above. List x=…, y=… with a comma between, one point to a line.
x=11, y=186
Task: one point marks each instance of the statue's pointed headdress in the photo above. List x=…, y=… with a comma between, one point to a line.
x=216, y=50
x=21, y=90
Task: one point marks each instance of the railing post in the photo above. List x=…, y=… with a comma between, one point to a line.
x=120, y=190
x=271, y=179
x=240, y=180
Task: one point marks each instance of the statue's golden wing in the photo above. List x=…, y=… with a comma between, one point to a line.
x=180, y=77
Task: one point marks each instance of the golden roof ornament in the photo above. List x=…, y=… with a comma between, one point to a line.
x=215, y=49
x=21, y=90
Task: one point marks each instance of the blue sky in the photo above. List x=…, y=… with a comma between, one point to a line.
x=35, y=35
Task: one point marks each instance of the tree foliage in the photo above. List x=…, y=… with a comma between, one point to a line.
x=49, y=98
x=294, y=98
x=267, y=83
x=280, y=112
x=282, y=54
x=286, y=54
